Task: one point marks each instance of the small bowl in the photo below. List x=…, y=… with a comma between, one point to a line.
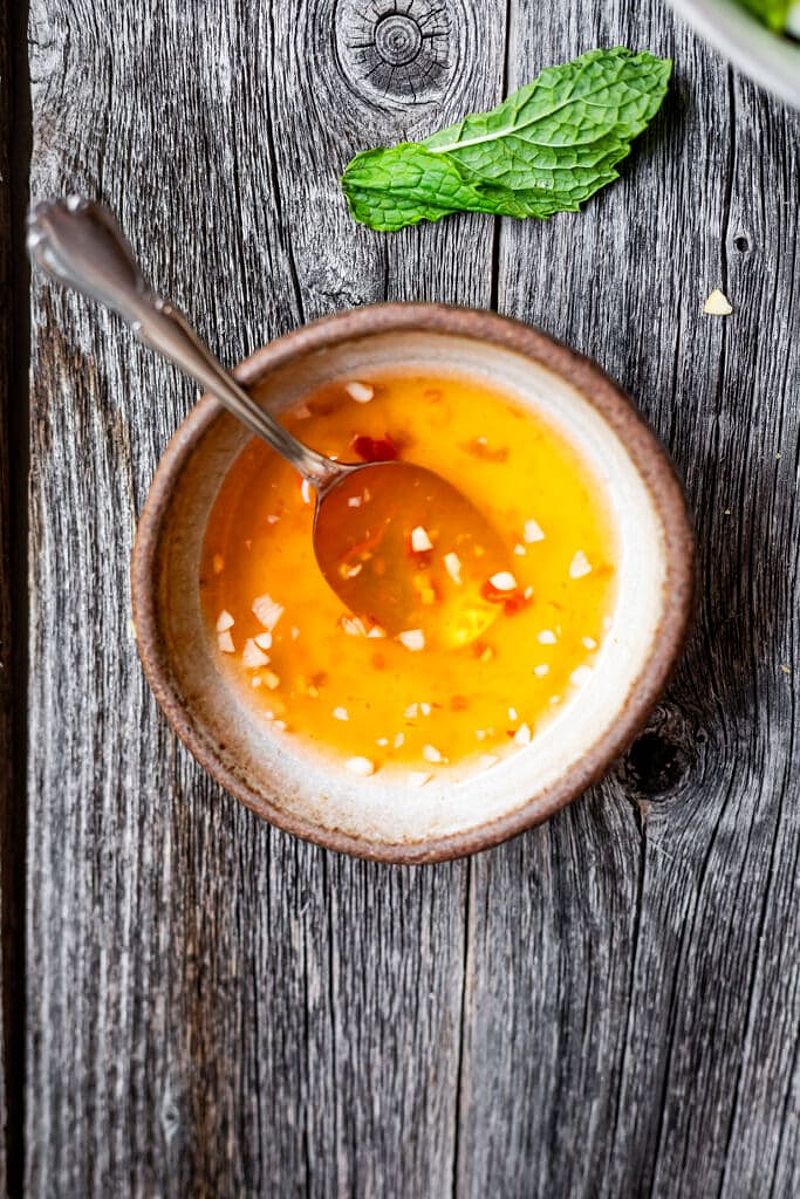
x=771, y=60
x=380, y=817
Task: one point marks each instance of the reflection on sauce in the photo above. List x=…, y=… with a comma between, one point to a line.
x=331, y=679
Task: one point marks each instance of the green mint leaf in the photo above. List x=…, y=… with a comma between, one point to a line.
x=546, y=149
x=774, y=13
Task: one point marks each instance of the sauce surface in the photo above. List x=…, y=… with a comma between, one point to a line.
x=317, y=673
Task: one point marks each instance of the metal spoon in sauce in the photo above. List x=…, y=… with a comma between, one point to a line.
x=405, y=551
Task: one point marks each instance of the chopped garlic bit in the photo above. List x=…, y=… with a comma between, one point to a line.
x=425, y=709
x=488, y=760
x=512, y=714
x=341, y=714
x=271, y=680
x=452, y=564
x=263, y=640
x=413, y=639
x=411, y=711
x=355, y=501
x=522, y=735
x=307, y=492
x=363, y=767
x=376, y=631
x=717, y=304
x=225, y=642
x=533, y=532
x=295, y=632
x=588, y=643
x=580, y=676
x=362, y=393
x=252, y=656
x=349, y=572
x=399, y=740
x=431, y=754
x=255, y=681
x=528, y=593
x=272, y=519
x=267, y=611
x=420, y=540
x=579, y=566
x=418, y=778
x=218, y=564
x=541, y=671
x=302, y=412
x=547, y=637
x=520, y=551
x=224, y=621
x=503, y=581
x=279, y=724
x=353, y=625
x=382, y=741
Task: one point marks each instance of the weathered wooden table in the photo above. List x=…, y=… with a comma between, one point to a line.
x=196, y=1004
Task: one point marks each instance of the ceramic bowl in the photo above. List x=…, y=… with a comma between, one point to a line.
x=769, y=59
x=377, y=817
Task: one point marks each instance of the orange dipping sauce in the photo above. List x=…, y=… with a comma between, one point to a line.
x=318, y=674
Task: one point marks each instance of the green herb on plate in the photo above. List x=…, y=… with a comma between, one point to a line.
x=774, y=13
x=546, y=149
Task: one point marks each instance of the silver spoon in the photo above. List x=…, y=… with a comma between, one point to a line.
x=362, y=548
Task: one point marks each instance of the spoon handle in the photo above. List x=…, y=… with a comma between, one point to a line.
x=79, y=244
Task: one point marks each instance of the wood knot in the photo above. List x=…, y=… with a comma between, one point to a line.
x=398, y=39
x=396, y=53
x=660, y=757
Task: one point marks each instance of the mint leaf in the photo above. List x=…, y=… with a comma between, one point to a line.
x=774, y=13
x=546, y=149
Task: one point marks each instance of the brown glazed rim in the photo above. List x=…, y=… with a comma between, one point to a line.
x=642, y=448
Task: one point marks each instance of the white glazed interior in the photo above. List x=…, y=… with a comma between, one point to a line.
x=384, y=808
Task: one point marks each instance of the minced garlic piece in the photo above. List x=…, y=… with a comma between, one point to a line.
x=267, y=611
x=363, y=767
x=547, y=637
x=452, y=564
x=252, y=656
x=224, y=621
x=362, y=393
x=503, y=581
x=579, y=566
x=580, y=676
x=341, y=714
x=533, y=532
x=413, y=639
x=431, y=754
x=420, y=540
x=522, y=735
x=225, y=642
x=717, y=304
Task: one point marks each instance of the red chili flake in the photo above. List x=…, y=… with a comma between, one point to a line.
x=459, y=703
x=483, y=451
x=433, y=394
x=515, y=604
x=378, y=661
x=375, y=449
x=319, y=679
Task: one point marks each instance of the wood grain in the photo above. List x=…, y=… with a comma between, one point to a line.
x=7, y=794
x=609, y=1005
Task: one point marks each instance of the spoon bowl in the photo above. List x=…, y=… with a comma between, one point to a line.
x=411, y=556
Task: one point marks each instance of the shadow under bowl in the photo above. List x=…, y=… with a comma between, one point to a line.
x=382, y=817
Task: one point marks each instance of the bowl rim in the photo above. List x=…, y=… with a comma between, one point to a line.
x=769, y=59
x=639, y=443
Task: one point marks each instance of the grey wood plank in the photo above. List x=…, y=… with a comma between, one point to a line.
x=213, y=1008
x=7, y=789
x=632, y=1011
